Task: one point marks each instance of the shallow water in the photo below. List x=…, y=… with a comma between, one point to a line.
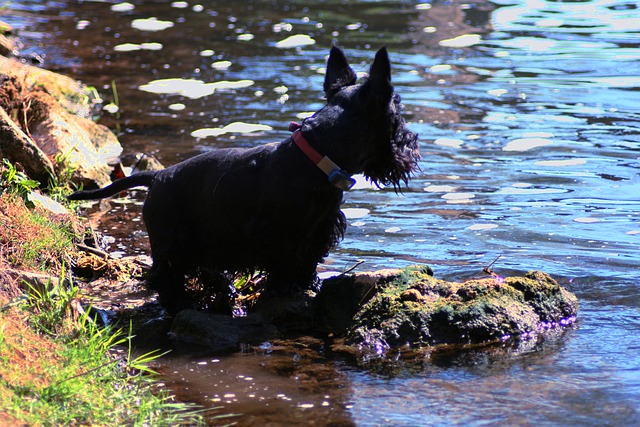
x=529, y=125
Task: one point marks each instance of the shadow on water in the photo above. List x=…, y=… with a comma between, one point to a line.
x=530, y=135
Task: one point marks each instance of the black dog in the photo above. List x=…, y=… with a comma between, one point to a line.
x=274, y=208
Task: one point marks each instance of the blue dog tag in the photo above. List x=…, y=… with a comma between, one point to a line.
x=340, y=179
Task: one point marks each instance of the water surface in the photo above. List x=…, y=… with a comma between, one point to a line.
x=529, y=126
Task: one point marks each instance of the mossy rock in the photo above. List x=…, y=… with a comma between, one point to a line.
x=411, y=307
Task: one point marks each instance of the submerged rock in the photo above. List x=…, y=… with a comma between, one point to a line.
x=219, y=332
x=341, y=297
x=412, y=307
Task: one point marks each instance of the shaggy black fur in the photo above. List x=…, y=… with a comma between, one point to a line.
x=269, y=208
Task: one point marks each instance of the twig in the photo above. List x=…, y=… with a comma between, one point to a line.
x=105, y=255
x=488, y=269
x=353, y=267
x=94, y=251
x=145, y=266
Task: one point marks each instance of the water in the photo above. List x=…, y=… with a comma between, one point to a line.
x=529, y=124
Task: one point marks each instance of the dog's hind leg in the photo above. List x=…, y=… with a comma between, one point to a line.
x=169, y=283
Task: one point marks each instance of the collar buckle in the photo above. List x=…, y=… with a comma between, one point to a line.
x=340, y=179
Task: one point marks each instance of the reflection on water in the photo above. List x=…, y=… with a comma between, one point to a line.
x=284, y=382
x=529, y=121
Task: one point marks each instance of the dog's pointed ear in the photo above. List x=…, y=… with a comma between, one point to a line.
x=381, y=67
x=378, y=88
x=339, y=73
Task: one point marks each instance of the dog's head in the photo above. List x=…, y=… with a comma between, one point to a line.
x=361, y=128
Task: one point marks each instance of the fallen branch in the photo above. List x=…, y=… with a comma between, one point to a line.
x=95, y=251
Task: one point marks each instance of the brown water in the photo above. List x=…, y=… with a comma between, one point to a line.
x=529, y=118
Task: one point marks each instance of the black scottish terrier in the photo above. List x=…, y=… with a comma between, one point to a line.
x=274, y=208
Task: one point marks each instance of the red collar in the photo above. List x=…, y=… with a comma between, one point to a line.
x=337, y=176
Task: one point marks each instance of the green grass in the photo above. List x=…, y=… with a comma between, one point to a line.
x=58, y=187
x=15, y=181
x=59, y=368
x=33, y=239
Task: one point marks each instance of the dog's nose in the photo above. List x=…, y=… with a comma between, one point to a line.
x=294, y=126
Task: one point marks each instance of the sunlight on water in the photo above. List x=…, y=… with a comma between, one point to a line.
x=354, y=213
x=235, y=127
x=123, y=7
x=529, y=128
x=525, y=144
x=131, y=47
x=192, y=88
x=465, y=40
x=297, y=40
x=151, y=24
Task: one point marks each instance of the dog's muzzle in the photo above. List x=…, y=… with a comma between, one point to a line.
x=337, y=176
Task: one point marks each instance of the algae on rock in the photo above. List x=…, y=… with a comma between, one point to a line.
x=411, y=307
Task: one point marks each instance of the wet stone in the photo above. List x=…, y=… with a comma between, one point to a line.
x=411, y=307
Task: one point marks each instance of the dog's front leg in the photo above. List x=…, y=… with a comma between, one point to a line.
x=291, y=278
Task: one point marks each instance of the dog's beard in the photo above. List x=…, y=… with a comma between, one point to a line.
x=396, y=167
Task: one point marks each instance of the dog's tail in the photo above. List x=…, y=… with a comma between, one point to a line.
x=144, y=179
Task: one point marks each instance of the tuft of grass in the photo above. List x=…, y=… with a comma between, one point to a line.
x=16, y=182
x=115, y=105
x=33, y=239
x=52, y=306
x=60, y=185
x=59, y=368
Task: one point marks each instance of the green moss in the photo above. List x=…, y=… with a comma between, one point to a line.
x=419, y=310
